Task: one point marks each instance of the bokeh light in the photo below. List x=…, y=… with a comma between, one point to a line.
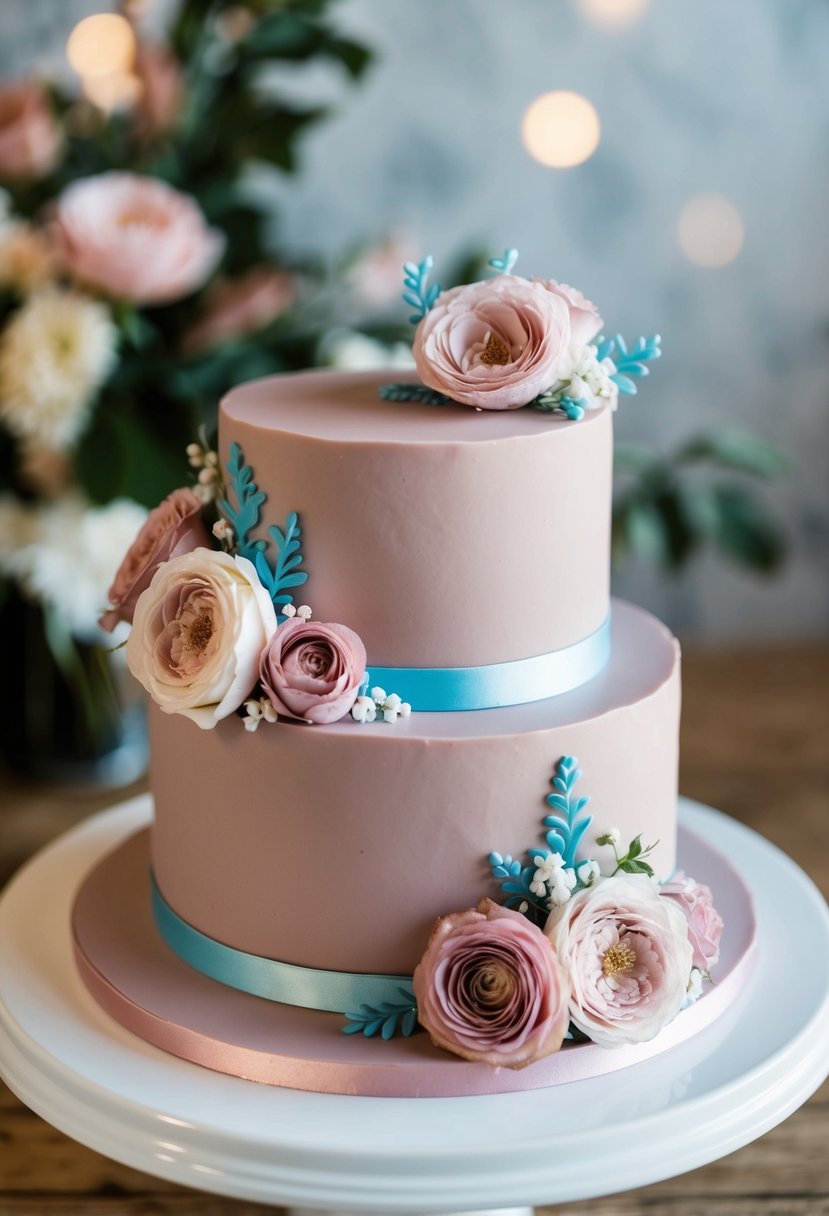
x=612, y=14
x=112, y=90
x=710, y=230
x=101, y=45
x=561, y=129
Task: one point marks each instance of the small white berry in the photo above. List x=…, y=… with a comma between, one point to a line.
x=288, y=610
x=405, y=709
x=212, y=459
x=304, y=612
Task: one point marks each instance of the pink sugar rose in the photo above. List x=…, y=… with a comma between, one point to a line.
x=495, y=344
x=627, y=953
x=705, y=925
x=237, y=307
x=489, y=987
x=30, y=140
x=175, y=526
x=585, y=321
x=134, y=238
x=197, y=634
x=312, y=671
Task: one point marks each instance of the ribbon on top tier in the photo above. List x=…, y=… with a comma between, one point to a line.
x=307, y=987
x=448, y=689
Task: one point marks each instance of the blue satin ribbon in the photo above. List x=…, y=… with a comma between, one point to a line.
x=430, y=689
x=332, y=991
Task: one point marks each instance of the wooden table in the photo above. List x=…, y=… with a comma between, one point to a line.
x=755, y=743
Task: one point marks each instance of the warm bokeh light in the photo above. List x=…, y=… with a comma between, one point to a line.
x=113, y=90
x=710, y=230
x=101, y=45
x=561, y=129
x=612, y=14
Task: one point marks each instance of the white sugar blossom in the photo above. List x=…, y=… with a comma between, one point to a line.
x=257, y=711
x=65, y=555
x=55, y=353
x=223, y=530
x=552, y=874
x=588, y=381
x=364, y=710
x=588, y=872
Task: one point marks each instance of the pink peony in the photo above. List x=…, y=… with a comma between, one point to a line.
x=198, y=632
x=627, y=953
x=490, y=988
x=312, y=671
x=237, y=307
x=705, y=925
x=495, y=344
x=585, y=321
x=30, y=140
x=135, y=238
x=175, y=526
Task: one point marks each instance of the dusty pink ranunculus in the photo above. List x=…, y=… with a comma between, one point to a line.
x=585, y=321
x=705, y=925
x=197, y=634
x=134, y=238
x=489, y=987
x=237, y=307
x=174, y=527
x=30, y=139
x=313, y=671
x=627, y=954
x=495, y=344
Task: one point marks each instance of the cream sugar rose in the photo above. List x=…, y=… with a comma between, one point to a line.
x=586, y=942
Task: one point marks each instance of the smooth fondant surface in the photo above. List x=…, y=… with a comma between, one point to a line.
x=445, y=536
x=145, y=987
x=336, y=847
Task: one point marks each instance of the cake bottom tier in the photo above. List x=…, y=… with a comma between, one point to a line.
x=337, y=847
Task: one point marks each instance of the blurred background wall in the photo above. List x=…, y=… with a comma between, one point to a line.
x=708, y=98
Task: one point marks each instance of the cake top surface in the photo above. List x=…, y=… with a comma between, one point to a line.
x=346, y=407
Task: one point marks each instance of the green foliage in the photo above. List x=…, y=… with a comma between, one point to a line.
x=672, y=506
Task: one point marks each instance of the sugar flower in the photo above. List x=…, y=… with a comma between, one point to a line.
x=553, y=877
x=258, y=710
x=626, y=951
x=135, y=238
x=55, y=353
x=489, y=987
x=313, y=671
x=705, y=925
x=198, y=632
x=496, y=344
x=174, y=527
x=585, y=321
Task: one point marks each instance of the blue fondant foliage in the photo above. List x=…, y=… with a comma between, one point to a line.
x=416, y=291
x=556, y=401
x=566, y=825
x=244, y=517
x=631, y=362
x=412, y=392
x=505, y=264
x=515, y=880
x=386, y=1019
x=286, y=572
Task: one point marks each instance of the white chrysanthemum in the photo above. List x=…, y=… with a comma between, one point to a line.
x=54, y=355
x=69, y=555
x=26, y=260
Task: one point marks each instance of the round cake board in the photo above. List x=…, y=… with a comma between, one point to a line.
x=727, y=1084
x=138, y=980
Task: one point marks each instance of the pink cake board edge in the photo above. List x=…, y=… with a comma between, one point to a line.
x=140, y=983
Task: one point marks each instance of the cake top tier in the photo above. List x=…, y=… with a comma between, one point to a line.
x=346, y=407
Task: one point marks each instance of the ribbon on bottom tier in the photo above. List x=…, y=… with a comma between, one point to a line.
x=450, y=689
x=307, y=987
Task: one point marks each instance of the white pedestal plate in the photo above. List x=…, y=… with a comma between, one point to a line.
x=699, y=1101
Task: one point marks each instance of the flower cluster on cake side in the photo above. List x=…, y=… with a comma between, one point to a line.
x=508, y=342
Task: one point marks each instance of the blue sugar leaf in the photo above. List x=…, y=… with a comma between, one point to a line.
x=578, y=832
x=495, y=859
x=370, y=1029
x=557, y=800
x=354, y=1028
x=408, y=1023
x=389, y=1026
x=620, y=344
x=411, y=299
x=624, y=385
x=560, y=784
x=556, y=842
x=293, y=580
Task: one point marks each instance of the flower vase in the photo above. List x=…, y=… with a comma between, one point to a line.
x=70, y=713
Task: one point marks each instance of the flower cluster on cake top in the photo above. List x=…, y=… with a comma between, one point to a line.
x=508, y=342
x=215, y=631
x=579, y=951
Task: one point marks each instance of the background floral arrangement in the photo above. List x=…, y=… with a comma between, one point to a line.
x=138, y=281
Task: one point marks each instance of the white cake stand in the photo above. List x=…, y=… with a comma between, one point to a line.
x=703, y=1099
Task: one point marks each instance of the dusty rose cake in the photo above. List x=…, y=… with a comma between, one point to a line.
x=372, y=806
